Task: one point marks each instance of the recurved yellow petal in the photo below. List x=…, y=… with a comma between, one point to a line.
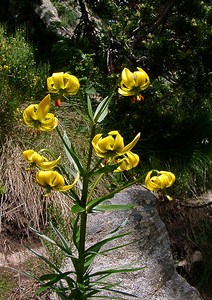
x=30, y=113
x=118, y=141
x=43, y=108
x=128, y=79
x=170, y=175
x=113, y=145
x=129, y=146
x=40, y=161
x=132, y=83
x=58, y=79
x=71, y=84
x=70, y=186
x=47, y=165
x=63, y=83
x=126, y=92
x=37, y=116
x=142, y=79
x=129, y=161
x=52, y=180
x=33, y=157
x=160, y=181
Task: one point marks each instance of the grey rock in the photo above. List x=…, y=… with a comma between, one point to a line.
x=158, y=280
x=49, y=16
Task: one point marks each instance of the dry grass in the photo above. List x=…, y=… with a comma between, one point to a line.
x=23, y=204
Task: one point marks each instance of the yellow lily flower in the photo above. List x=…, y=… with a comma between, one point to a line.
x=160, y=181
x=52, y=180
x=112, y=145
x=129, y=161
x=132, y=83
x=34, y=158
x=63, y=83
x=38, y=116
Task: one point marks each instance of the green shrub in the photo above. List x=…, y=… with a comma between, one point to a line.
x=20, y=78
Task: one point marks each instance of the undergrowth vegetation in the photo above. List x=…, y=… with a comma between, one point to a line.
x=19, y=76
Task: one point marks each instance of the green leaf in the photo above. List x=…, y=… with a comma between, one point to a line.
x=106, y=169
x=108, y=287
x=94, y=202
x=112, y=207
x=43, y=236
x=43, y=288
x=53, y=278
x=109, y=297
x=48, y=262
x=90, y=110
x=71, y=154
x=76, y=231
x=24, y=273
x=119, y=292
x=97, y=201
x=115, y=271
x=117, y=247
x=90, y=90
x=76, y=208
x=61, y=238
x=102, y=110
x=64, y=247
x=92, y=251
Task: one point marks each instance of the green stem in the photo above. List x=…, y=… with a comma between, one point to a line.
x=83, y=219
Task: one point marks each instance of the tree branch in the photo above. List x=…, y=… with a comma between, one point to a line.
x=159, y=20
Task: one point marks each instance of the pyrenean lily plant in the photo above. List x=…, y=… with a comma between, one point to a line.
x=80, y=282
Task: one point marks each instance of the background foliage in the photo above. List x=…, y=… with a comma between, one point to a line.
x=171, y=41
x=21, y=80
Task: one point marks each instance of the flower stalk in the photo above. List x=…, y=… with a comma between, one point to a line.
x=83, y=216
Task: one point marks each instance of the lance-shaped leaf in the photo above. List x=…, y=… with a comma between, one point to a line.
x=76, y=208
x=111, y=207
x=112, y=291
x=115, y=271
x=43, y=236
x=65, y=243
x=105, y=286
x=71, y=154
x=64, y=246
x=75, y=231
x=92, y=251
x=46, y=260
x=90, y=110
x=94, y=202
x=102, y=110
x=106, y=169
x=54, y=278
